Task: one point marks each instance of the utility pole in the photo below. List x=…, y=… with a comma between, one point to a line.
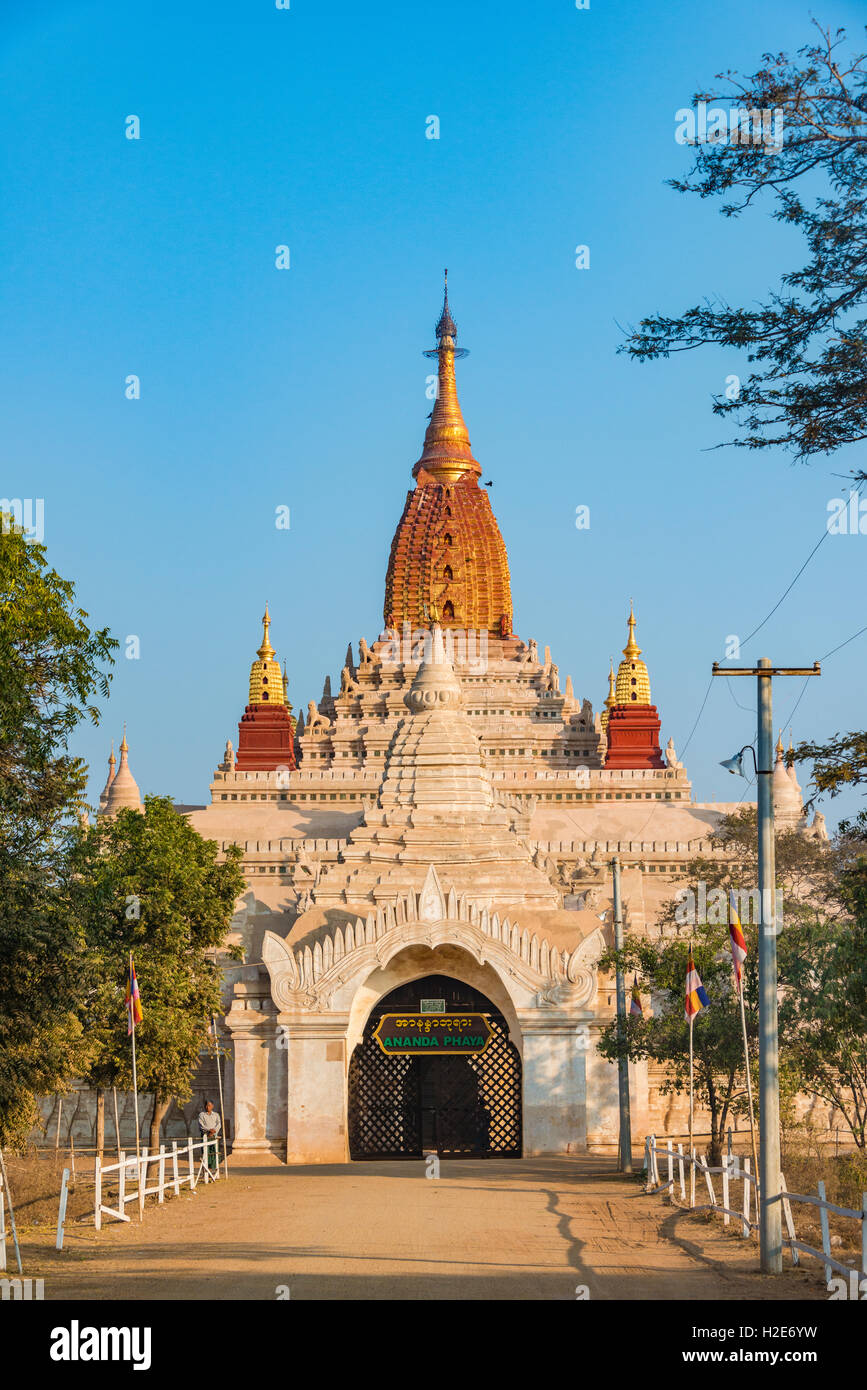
x=625, y=1152
x=770, y=1205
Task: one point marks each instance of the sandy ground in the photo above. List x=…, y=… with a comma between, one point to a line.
x=532, y=1229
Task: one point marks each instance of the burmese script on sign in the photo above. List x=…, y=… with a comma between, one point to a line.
x=434, y=1034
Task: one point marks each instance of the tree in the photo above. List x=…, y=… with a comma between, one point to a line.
x=808, y=874
x=51, y=664
x=719, y=1075
x=808, y=341
x=149, y=884
x=838, y=763
x=823, y=1010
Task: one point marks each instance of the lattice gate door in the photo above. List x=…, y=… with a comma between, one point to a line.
x=461, y=1106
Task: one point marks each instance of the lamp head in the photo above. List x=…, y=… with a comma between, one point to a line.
x=735, y=764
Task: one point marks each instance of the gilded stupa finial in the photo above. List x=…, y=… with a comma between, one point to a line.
x=447, y=453
x=779, y=747
x=632, y=649
x=124, y=746
x=633, y=683
x=610, y=698
x=266, y=651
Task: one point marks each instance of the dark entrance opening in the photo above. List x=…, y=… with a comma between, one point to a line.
x=403, y=1106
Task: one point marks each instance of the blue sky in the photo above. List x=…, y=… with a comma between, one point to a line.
x=306, y=387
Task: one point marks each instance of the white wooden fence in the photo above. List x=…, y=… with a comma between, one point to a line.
x=734, y=1170
x=134, y=1183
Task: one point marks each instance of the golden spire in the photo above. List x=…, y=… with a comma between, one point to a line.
x=632, y=649
x=266, y=651
x=779, y=747
x=124, y=746
x=267, y=685
x=446, y=454
x=111, y=758
x=611, y=698
x=633, y=683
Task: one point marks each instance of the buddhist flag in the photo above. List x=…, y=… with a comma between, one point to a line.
x=696, y=995
x=132, y=1000
x=736, y=935
x=635, y=1009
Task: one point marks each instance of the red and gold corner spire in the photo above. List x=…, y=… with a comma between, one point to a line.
x=265, y=734
x=633, y=725
x=448, y=563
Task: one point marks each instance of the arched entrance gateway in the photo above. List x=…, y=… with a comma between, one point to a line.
x=441, y=1083
x=313, y=1070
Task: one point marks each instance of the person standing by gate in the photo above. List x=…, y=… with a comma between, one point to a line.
x=209, y=1125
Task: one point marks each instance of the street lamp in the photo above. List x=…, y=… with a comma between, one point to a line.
x=736, y=764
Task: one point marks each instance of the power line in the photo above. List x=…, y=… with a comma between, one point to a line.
x=843, y=644
x=791, y=586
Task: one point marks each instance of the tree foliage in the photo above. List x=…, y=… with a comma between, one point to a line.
x=823, y=1012
x=807, y=343
x=150, y=885
x=51, y=666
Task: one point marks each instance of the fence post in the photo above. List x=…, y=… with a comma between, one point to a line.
x=191, y=1162
x=826, y=1230
x=161, y=1175
x=790, y=1225
x=746, y=1226
x=864, y=1234
x=176, y=1182
x=142, y=1180
x=709, y=1180
x=725, y=1181
x=670, y=1156
x=680, y=1167
x=97, y=1192
x=61, y=1210
x=2, y=1228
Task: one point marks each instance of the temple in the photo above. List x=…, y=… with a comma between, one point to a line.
x=437, y=836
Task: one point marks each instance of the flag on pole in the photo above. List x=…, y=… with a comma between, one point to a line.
x=635, y=1008
x=696, y=995
x=132, y=1000
x=738, y=943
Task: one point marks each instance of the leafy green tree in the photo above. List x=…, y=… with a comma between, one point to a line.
x=149, y=884
x=663, y=1036
x=808, y=874
x=823, y=1010
x=51, y=665
x=807, y=343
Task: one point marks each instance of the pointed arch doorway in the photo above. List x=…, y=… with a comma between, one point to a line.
x=458, y=1107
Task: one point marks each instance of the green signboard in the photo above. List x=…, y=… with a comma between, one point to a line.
x=434, y=1035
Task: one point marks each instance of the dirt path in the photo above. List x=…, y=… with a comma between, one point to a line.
x=534, y=1229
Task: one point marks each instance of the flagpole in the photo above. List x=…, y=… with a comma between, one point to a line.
x=220, y=1085
x=691, y=1149
x=738, y=970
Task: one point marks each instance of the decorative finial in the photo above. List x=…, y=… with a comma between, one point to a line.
x=111, y=758
x=447, y=454
x=266, y=651
x=632, y=649
x=446, y=325
x=779, y=748
x=124, y=746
